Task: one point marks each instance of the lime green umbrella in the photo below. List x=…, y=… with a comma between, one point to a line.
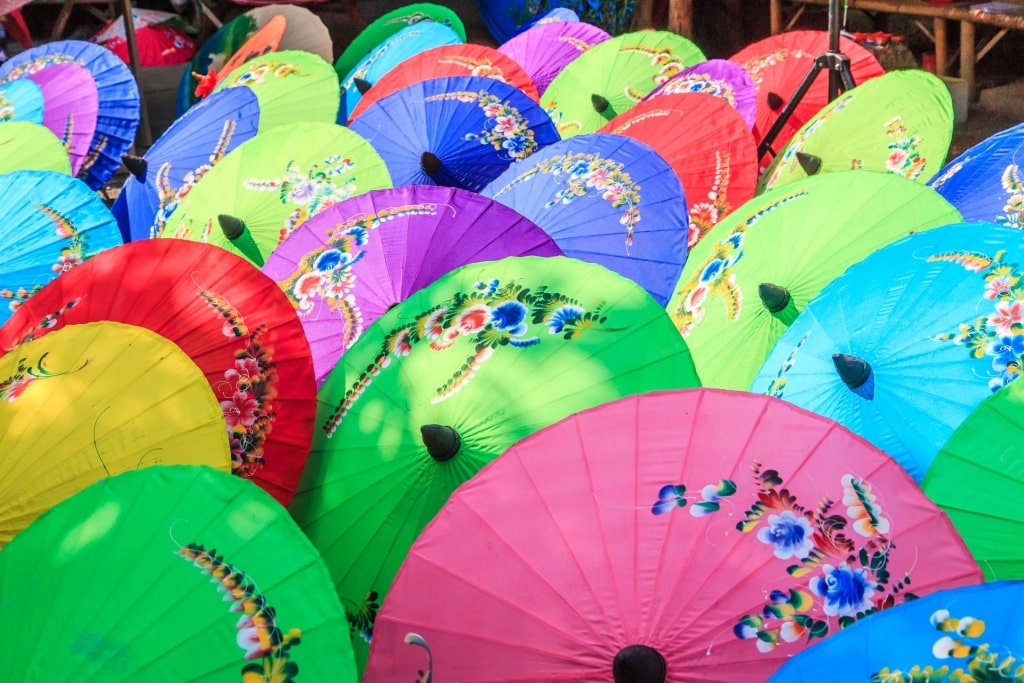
x=451, y=377
x=978, y=478
x=901, y=123
x=169, y=573
x=27, y=146
x=264, y=188
x=612, y=76
x=757, y=268
x=292, y=86
x=391, y=23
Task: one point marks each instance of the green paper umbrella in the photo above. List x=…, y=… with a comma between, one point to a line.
x=391, y=23
x=978, y=479
x=292, y=87
x=751, y=275
x=27, y=146
x=270, y=184
x=446, y=381
x=612, y=76
x=901, y=123
x=172, y=573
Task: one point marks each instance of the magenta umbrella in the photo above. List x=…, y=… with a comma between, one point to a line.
x=544, y=49
x=349, y=264
x=70, y=107
x=718, y=77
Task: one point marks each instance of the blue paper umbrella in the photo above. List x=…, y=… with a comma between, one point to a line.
x=49, y=222
x=606, y=199
x=181, y=156
x=118, y=94
x=410, y=41
x=903, y=346
x=21, y=100
x=461, y=131
x=986, y=183
x=970, y=635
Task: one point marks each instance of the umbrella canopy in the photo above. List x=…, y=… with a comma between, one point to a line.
x=505, y=20
x=878, y=352
x=390, y=23
x=544, y=49
x=141, y=18
x=304, y=31
x=72, y=108
x=266, y=39
x=969, y=634
x=779, y=63
x=21, y=100
x=31, y=146
x=901, y=123
x=186, y=151
x=716, y=161
x=270, y=184
x=606, y=199
x=977, y=478
x=348, y=265
x=93, y=400
x=117, y=92
x=49, y=223
x=718, y=77
x=399, y=47
x=716, y=533
x=172, y=566
x=231, y=320
x=461, y=131
x=986, y=183
x=461, y=59
x=448, y=379
x=162, y=38
x=614, y=75
x=292, y=87
x=749, y=278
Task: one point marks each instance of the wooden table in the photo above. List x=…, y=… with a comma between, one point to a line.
x=970, y=50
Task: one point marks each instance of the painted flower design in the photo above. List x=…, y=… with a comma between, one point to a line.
x=846, y=591
x=240, y=409
x=1013, y=184
x=325, y=183
x=505, y=129
x=789, y=535
x=1008, y=314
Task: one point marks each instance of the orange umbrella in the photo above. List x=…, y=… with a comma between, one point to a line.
x=266, y=39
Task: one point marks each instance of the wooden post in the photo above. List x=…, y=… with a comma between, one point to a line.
x=967, y=58
x=144, y=134
x=643, y=16
x=680, y=17
x=775, y=21
x=941, y=46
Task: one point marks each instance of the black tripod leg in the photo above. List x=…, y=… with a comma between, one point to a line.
x=787, y=111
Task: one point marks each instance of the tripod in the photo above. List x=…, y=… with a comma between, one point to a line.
x=840, y=77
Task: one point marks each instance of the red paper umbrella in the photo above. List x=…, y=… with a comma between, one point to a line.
x=778, y=64
x=233, y=321
x=158, y=46
x=464, y=59
x=708, y=145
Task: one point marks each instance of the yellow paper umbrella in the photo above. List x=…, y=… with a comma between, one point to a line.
x=91, y=401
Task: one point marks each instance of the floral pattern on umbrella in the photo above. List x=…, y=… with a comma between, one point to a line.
x=25, y=375
x=507, y=130
x=849, y=577
x=259, y=73
x=668, y=62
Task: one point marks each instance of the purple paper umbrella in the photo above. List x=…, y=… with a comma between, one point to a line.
x=544, y=49
x=718, y=77
x=347, y=265
x=70, y=107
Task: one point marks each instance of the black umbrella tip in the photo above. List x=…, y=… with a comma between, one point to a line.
x=856, y=374
x=137, y=166
x=600, y=103
x=774, y=297
x=362, y=85
x=809, y=162
x=442, y=441
x=232, y=226
x=775, y=101
x=639, y=664
x=430, y=163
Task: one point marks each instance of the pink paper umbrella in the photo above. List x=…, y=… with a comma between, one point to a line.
x=70, y=107
x=347, y=265
x=697, y=535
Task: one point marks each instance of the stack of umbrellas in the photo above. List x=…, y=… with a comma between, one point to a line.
x=462, y=363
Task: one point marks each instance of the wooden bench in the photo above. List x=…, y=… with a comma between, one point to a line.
x=970, y=49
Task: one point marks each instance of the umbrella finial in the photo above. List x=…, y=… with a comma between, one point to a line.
x=856, y=374
x=639, y=664
x=778, y=302
x=362, y=85
x=809, y=162
x=602, y=106
x=430, y=164
x=442, y=441
x=234, y=229
x=137, y=166
x=775, y=101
